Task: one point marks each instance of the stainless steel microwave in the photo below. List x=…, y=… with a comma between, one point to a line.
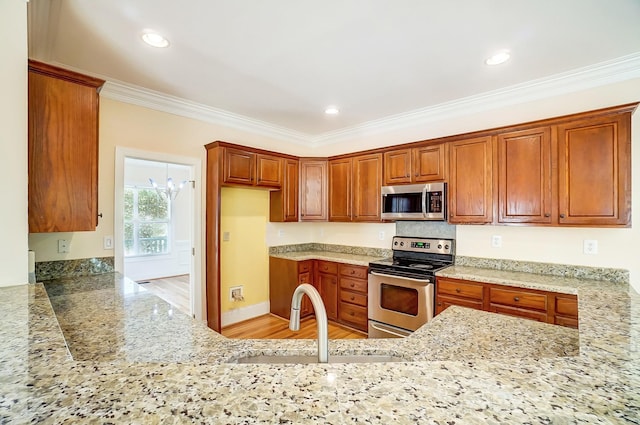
x=415, y=202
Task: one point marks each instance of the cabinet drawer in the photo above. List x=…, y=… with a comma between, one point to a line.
x=442, y=302
x=518, y=312
x=304, y=278
x=304, y=266
x=353, y=271
x=570, y=322
x=327, y=267
x=358, y=285
x=353, y=298
x=459, y=289
x=519, y=299
x=353, y=314
x=567, y=305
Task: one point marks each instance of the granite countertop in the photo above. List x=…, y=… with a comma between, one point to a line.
x=340, y=257
x=128, y=357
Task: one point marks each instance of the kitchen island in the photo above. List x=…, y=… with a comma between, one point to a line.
x=128, y=357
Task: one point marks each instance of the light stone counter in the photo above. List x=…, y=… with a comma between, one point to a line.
x=339, y=257
x=133, y=360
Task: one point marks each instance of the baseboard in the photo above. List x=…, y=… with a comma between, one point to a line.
x=245, y=313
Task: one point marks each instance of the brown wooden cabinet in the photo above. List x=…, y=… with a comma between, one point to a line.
x=415, y=165
x=314, y=197
x=63, y=150
x=543, y=306
x=340, y=175
x=594, y=171
x=471, y=180
x=354, y=188
x=524, y=176
x=244, y=167
x=284, y=277
x=283, y=203
x=327, y=282
x=352, y=308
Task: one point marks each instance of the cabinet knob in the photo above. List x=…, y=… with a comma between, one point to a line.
x=353, y=271
x=458, y=290
x=516, y=299
x=353, y=298
x=547, y=215
x=352, y=285
x=351, y=313
x=561, y=215
x=439, y=304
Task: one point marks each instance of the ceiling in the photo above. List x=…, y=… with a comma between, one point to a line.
x=283, y=62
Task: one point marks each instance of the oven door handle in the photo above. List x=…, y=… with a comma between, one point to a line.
x=428, y=280
x=387, y=330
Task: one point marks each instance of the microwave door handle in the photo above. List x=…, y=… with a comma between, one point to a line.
x=424, y=201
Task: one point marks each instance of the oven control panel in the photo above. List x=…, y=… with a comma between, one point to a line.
x=426, y=245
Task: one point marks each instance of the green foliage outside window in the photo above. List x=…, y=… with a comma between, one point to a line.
x=146, y=222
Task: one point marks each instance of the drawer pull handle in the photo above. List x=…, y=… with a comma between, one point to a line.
x=353, y=298
x=516, y=298
x=562, y=216
x=353, y=271
x=439, y=304
x=458, y=290
x=352, y=285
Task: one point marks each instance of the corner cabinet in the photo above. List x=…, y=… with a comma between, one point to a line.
x=471, y=181
x=594, y=171
x=63, y=150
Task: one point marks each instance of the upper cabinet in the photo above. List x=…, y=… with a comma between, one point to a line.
x=415, y=165
x=313, y=190
x=250, y=168
x=594, y=171
x=471, y=180
x=354, y=188
x=283, y=203
x=63, y=150
x=524, y=176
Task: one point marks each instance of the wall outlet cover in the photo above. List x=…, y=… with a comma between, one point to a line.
x=496, y=241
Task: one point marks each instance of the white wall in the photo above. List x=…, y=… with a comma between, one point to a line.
x=13, y=143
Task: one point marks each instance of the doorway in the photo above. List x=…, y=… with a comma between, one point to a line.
x=157, y=226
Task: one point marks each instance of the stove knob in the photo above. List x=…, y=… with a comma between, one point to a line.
x=446, y=247
x=439, y=246
x=401, y=243
x=395, y=243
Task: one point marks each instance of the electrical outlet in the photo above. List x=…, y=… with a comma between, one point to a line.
x=280, y=233
x=590, y=246
x=226, y=236
x=381, y=235
x=107, y=242
x=63, y=246
x=496, y=241
x=235, y=293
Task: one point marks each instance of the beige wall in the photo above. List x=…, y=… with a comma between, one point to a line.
x=13, y=143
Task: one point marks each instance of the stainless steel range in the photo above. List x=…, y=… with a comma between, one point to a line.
x=401, y=288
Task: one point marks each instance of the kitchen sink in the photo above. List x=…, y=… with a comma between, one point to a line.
x=293, y=359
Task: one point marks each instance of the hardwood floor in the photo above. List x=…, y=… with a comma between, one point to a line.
x=270, y=326
x=173, y=289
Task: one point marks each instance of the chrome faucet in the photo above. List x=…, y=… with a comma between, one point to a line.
x=321, y=318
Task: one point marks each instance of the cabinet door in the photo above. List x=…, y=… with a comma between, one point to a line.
x=238, y=166
x=594, y=171
x=284, y=203
x=367, y=180
x=429, y=163
x=268, y=170
x=62, y=150
x=340, y=190
x=470, y=181
x=397, y=167
x=313, y=190
x=328, y=284
x=524, y=182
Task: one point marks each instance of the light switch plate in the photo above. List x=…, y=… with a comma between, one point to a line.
x=107, y=242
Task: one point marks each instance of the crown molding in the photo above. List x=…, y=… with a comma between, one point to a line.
x=600, y=74
x=603, y=73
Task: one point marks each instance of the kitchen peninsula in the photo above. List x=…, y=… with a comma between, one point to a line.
x=144, y=363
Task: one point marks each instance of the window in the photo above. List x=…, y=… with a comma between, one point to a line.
x=147, y=222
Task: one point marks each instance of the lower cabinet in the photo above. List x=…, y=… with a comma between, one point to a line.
x=343, y=288
x=543, y=306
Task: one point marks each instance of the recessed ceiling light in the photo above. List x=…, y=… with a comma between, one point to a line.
x=154, y=39
x=498, y=58
x=331, y=110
